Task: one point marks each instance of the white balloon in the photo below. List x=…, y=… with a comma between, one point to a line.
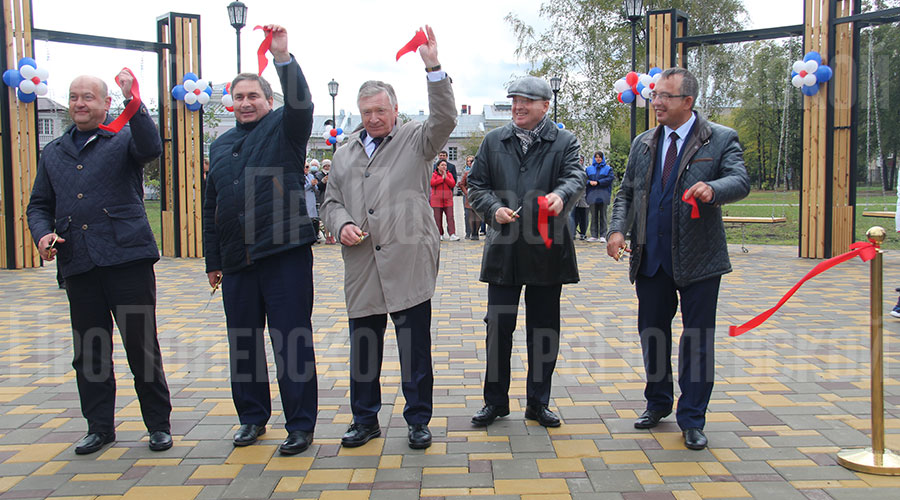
x=799, y=66
x=189, y=85
x=202, y=84
x=27, y=86
x=41, y=89
x=645, y=93
x=645, y=79
x=809, y=79
x=811, y=67
x=656, y=77
x=621, y=85
x=227, y=101
x=203, y=98
x=42, y=73
x=27, y=72
x=797, y=81
x=190, y=98
x=641, y=102
x=341, y=137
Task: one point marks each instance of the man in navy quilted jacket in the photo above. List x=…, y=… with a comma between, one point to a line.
x=258, y=238
x=87, y=209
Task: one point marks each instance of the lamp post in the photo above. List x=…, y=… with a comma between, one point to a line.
x=634, y=11
x=237, y=15
x=333, y=91
x=555, y=84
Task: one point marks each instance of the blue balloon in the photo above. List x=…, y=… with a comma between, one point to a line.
x=561, y=126
x=193, y=107
x=27, y=61
x=178, y=92
x=26, y=98
x=208, y=90
x=339, y=131
x=793, y=74
x=190, y=76
x=810, y=90
x=813, y=56
x=12, y=78
x=628, y=96
x=640, y=88
x=823, y=74
x=654, y=71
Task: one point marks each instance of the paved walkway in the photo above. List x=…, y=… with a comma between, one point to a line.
x=788, y=396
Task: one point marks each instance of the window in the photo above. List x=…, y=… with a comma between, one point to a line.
x=45, y=126
x=452, y=153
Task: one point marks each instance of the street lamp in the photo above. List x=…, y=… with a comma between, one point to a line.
x=555, y=84
x=332, y=91
x=237, y=15
x=634, y=11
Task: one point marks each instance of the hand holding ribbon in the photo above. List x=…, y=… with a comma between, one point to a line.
x=263, y=48
x=690, y=200
x=543, y=220
x=418, y=39
x=865, y=250
x=133, y=106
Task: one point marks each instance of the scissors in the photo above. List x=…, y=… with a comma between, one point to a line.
x=516, y=213
x=622, y=251
x=213, y=292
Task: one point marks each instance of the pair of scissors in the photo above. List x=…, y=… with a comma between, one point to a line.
x=213, y=292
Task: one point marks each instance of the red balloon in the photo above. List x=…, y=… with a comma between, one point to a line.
x=230, y=108
x=197, y=91
x=36, y=80
x=333, y=132
x=228, y=87
x=619, y=97
x=635, y=90
x=803, y=74
x=631, y=78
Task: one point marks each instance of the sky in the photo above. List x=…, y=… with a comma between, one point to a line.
x=475, y=45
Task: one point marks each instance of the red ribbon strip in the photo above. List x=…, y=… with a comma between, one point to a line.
x=543, y=216
x=690, y=200
x=263, y=48
x=865, y=250
x=116, y=125
x=418, y=39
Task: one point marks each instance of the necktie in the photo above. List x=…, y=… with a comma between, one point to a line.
x=671, y=156
x=377, y=142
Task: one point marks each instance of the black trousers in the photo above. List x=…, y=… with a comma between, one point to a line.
x=413, y=329
x=598, y=220
x=128, y=294
x=657, y=303
x=541, y=339
x=278, y=291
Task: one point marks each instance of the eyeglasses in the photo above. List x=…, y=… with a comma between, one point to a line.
x=664, y=96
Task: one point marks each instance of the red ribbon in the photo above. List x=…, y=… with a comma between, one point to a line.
x=116, y=125
x=418, y=39
x=263, y=48
x=865, y=250
x=543, y=216
x=690, y=200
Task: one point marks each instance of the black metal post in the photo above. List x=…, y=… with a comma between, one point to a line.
x=554, y=105
x=333, y=124
x=633, y=67
x=238, y=34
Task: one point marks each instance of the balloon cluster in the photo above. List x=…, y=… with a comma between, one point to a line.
x=637, y=86
x=29, y=80
x=333, y=135
x=193, y=91
x=227, y=100
x=809, y=73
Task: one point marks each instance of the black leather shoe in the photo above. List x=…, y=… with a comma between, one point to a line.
x=419, y=436
x=93, y=442
x=488, y=414
x=247, y=434
x=160, y=440
x=650, y=419
x=694, y=439
x=542, y=414
x=360, y=434
x=296, y=442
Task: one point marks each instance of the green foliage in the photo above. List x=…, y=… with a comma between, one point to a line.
x=471, y=144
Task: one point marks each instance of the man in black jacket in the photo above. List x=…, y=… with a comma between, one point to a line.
x=258, y=240
x=87, y=208
x=516, y=165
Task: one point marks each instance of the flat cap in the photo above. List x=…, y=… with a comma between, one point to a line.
x=531, y=87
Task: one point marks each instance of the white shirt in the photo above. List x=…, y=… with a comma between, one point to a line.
x=682, y=132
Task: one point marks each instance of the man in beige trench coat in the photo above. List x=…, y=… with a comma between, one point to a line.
x=376, y=203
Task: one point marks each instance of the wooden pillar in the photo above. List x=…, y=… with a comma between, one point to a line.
x=662, y=28
x=181, y=165
x=840, y=91
x=19, y=144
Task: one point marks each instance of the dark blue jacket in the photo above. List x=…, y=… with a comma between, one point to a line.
x=93, y=197
x=255, y=204
x=603, y=174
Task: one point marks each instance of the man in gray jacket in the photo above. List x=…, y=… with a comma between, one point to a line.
x=518, y=166
x=675, y=252
x=376, y=204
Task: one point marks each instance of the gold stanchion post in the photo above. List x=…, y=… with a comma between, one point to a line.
x=875, y=460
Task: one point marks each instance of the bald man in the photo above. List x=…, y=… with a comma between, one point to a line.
x=87, y=209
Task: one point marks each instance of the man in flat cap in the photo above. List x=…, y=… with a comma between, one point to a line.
x=524, y=177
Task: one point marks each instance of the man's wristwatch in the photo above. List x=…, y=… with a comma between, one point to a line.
x=436, y=67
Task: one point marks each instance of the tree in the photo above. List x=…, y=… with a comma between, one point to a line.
x=471, y=144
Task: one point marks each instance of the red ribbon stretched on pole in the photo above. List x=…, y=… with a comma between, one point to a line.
x=543, y=216
x=116, y=125
x=865, y=251
x=690, y=200
x=263, y=48
x=418, y=39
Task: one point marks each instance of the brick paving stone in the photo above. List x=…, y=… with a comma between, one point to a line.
x=515, y=469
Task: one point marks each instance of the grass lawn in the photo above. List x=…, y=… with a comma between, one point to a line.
x=155, y=217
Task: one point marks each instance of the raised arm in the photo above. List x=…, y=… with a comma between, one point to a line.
x=441, y=104
x=145, y=143
x=298, y=105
